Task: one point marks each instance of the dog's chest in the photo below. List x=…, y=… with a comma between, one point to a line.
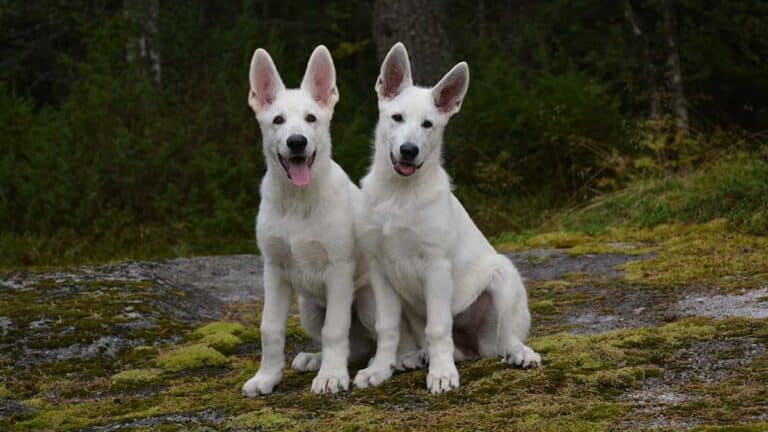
x=302, y=260
x=403, y=256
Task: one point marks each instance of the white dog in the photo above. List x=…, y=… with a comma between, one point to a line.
x=305, y=228
x=428, y=260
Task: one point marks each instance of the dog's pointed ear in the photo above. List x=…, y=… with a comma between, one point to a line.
x=450, y=91
x=320, y=78
x=265, y=81
x=395, y=73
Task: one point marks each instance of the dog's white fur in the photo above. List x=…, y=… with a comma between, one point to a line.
x=306, y=234
x=428, y=260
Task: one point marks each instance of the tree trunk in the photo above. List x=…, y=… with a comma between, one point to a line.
x=144, y=46
x=419, y=25
x=654, y=98
x=674, y=71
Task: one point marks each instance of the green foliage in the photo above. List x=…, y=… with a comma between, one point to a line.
x=98, y=162
x=735, y=187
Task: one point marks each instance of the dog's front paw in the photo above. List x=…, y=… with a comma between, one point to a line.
x=307, y=362
x=442, y=378
x=417, y=359
x=261, y=384
x=521, y=356
x=330, y=382
x=372, y=377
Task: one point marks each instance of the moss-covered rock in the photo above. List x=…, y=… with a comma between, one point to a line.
x=191, y=357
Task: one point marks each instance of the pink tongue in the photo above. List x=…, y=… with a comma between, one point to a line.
x=299, y=173
x=406, y=169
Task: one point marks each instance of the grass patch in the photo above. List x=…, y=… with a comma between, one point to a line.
x=734, y=188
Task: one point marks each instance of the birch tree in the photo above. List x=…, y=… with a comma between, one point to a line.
x=143, y=45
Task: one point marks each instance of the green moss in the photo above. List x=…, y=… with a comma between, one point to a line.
x=35, y=404
x=294, y=331
x=264, y=419
x=555, y=285
x=709, y=253
x=622, y=378
x=559, y=239
x=143, y=352
x=543, y=307
x=582, y=386
x=135, y=378
x=4, y=392
x=191, y=357
x=706, y=253
x=222, y=342
x=220, y=327
x=750, y=427
x=609, y=248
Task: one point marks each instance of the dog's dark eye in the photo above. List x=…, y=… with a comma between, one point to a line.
x=278, y=120
x=397, y=117
x=310, y=118
x=426, y=124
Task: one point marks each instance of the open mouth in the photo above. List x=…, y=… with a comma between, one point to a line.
x=405, y=169
x=297, y=168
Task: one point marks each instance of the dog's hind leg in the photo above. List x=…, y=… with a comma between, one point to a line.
x=362, y=333
x=312, y=316
x=512, y=318
x=410, y=355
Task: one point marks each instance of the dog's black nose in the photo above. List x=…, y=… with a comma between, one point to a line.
x=297, y=143
x=409, y=151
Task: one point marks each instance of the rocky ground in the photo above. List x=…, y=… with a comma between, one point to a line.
x=638, y=329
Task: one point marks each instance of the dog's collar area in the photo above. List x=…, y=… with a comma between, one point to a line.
x=405, y=169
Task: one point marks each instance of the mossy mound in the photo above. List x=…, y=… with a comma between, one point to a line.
x=220, y=327
x=222, y=342
x=134, y=378
x=191, y=357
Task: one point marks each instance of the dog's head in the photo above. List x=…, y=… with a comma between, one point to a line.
x=411, y=118
x=295, y=123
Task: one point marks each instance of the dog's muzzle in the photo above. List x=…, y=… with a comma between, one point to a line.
x=297, y=168
x=404, y=168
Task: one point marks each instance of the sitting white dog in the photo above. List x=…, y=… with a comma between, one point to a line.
x=305, y=228
x=427, y=259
